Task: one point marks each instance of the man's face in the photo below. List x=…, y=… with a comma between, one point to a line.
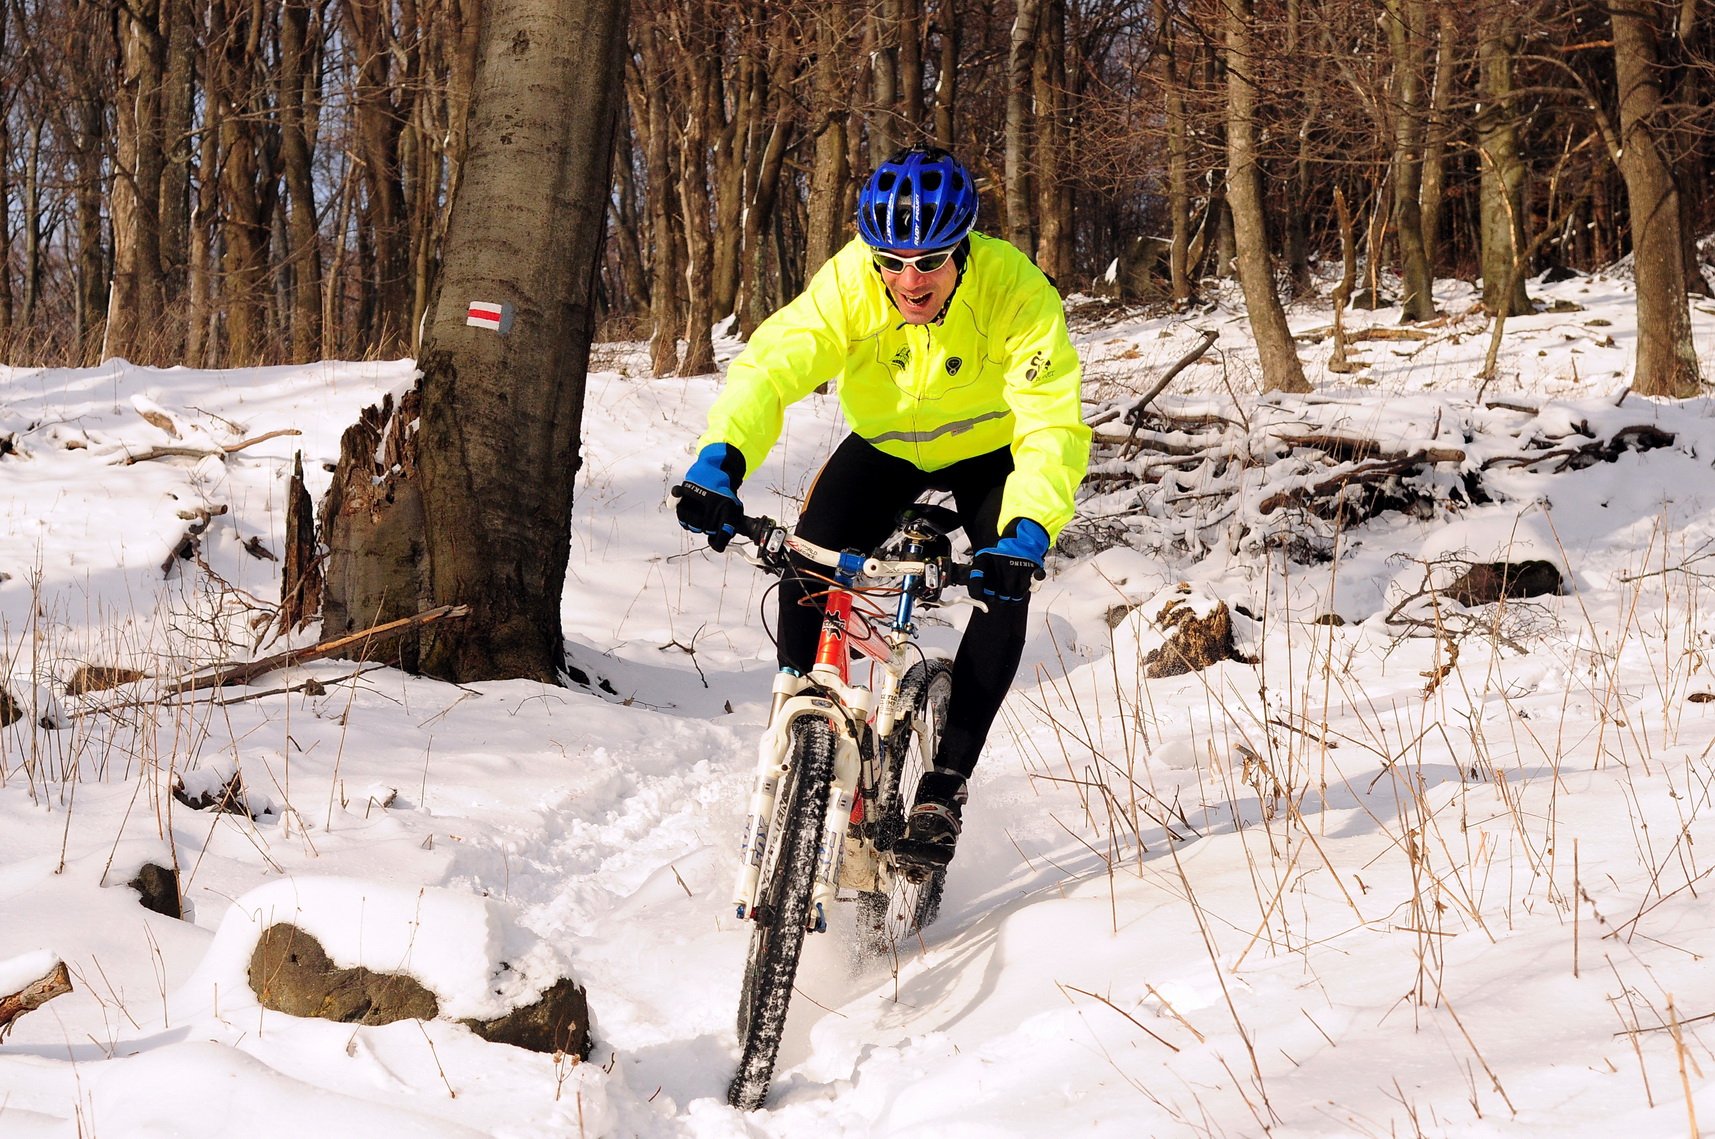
x=920, y=281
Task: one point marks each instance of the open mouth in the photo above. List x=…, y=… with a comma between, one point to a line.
x=917, y=300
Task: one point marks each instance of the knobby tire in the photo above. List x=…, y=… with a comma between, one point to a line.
x=783, y=902
x=885, y=920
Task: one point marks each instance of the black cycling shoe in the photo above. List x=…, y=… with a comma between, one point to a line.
x=932, y=827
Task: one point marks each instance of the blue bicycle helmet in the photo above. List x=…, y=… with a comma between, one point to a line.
x=920, y=198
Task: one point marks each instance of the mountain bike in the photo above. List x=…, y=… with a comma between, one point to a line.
x=837, y=768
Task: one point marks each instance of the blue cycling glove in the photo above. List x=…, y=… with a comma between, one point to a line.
x=1003, y=572
x=708, y=498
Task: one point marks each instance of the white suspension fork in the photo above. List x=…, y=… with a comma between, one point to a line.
x=773, y=753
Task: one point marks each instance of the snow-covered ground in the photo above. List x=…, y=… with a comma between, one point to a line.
x=1372, y=885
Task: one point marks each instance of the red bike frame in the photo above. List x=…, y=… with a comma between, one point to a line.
x=839, y=636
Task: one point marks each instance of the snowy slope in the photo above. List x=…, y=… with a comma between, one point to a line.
x=1358, y=888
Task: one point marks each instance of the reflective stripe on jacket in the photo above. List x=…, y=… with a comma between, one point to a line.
x=998, y=370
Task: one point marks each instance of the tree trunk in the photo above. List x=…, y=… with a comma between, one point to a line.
x=200, y=345
x=1178, y=154
x=31, y=193
x=300, y=63
x=137, y=301
x=1020, y=229
x=946, y=73
x=1500, y=203
x=87, y=111
x=726, y=182
x=664, y=308
x=826, y=224
x=1440, y=130
x=7, y=300
x=502, y=410
x=1295, y=226
x=178, y=97
x=886, y=127
x=625, y=219
x=246, y=183
x=1053, y=197
x=1281, y=370
x=696, y=76
x=1666, y=360
x=379, y=121
x=754, y=297
x=1407, y=28
x=909, y=21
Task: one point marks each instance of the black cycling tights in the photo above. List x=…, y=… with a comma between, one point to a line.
x=852, y=505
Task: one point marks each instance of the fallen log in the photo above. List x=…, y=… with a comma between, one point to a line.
x=33, y=996
x=1357, y=449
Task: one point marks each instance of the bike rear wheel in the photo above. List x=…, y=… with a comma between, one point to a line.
x=913, y=899
x=782, y=909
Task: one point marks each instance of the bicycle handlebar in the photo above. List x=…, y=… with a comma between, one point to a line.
x=773, y=542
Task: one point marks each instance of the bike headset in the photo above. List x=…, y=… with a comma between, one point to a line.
x=918, y=198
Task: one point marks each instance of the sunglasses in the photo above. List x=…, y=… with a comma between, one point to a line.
x=923, y=262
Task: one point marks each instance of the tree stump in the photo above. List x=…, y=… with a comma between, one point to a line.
x=1202, y=635
x=301, y=577
x=372, y=526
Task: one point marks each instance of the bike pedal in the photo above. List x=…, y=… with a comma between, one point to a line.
x=918, y=860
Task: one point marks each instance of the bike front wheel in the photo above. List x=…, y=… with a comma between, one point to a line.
x=912, y=899
x=782, y=915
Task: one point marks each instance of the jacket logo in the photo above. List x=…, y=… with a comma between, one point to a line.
x=953, y=365
x=902, y=357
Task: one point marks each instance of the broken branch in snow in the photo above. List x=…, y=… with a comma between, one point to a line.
x=189, y=544
x=1133, y=414
x=245, y=672
x=33, y=996
x=204, y=452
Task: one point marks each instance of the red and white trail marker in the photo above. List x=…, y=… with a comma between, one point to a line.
x=493, y=315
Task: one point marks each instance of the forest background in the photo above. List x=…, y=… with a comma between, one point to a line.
x=232, y=182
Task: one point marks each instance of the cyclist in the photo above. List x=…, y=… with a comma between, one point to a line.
x=955, y=373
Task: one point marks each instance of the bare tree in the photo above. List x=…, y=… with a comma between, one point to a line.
x=1281, y=369
x=651, y=77
x=137, y=300
x=502, y=408
x=1501, y=218
x=1020, y=226
x=696, y=70
x=300, y=63
x=1407, y=26
x=1667, y=359
x=832, y=170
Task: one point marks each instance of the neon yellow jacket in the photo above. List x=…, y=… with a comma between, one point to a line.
x=998, y=370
